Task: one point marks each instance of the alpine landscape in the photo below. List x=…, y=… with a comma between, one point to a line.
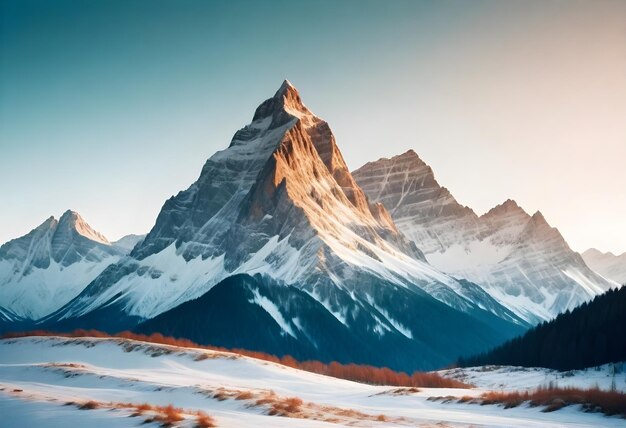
x=311, y=273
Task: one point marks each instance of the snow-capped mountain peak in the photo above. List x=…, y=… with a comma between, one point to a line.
x=50, y=265
x=508, y=207
x=285, y=105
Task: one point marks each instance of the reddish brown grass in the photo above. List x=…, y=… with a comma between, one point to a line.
x=167, y=416
x=143, y=407
x=204, y=421
x=592, y=400
x=244, y=395
x=220, y=395
x=355, y=372
x=89, y=405
x=289, y=407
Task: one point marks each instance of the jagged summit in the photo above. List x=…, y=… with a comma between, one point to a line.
x=284, y=106
x=509, y=206
x=538, y=217
x=73, y=221
x=411, y=157
x=285, y=88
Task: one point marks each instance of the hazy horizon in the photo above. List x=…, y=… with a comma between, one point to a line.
x=109, y=108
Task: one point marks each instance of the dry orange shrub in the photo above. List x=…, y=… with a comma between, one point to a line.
x=554, y=398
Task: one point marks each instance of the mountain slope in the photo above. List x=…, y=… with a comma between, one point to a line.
x=519, y=259
x=46, y=268
x=607, y=264
x=259, y=313
x=590, y=335
x=51, y=377
x=10, y=321
x=281, y=202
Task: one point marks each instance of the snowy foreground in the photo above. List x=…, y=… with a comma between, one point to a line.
x=39, y=376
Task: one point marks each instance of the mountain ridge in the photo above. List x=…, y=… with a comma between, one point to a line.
x=519, y=259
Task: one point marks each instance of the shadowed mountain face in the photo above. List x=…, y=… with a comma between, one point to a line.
x=281, y=202
x=519, y=259
x=49, y=266
x=259, y=313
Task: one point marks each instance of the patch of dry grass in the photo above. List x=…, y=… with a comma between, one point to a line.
x=290, y=407
x=244, y=395
x=554, y=398
x=204, y=421
x=89, y=405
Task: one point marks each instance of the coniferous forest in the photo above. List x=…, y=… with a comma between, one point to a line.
x=590, y=335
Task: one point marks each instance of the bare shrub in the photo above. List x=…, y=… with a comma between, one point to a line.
x=554, y=398
x=244, y=395
x=204, y=421
x=89, y=405
x=221, y=395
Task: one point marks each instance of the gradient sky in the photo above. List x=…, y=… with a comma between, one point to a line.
x=110, y=107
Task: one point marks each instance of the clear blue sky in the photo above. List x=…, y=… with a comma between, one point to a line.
x=110, y=107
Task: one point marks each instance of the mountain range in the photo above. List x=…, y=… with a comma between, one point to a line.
x=278, y=247
x=46, y=268
x=516, y=257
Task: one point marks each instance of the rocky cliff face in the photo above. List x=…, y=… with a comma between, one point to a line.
x=425, y=212
x=46, y=268
x=519, y=259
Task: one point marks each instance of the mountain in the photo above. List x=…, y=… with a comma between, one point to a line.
x=590, y=335
x=281, y=206
x=607, y=264
x=49, y=266
x=519, y=259
x=128, y=242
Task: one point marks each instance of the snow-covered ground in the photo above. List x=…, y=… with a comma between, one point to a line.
x=507, y=378
x=39, y=376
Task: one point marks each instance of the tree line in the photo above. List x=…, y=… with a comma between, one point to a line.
x=590, y=335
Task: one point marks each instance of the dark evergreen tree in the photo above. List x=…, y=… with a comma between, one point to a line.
x=590, y=335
